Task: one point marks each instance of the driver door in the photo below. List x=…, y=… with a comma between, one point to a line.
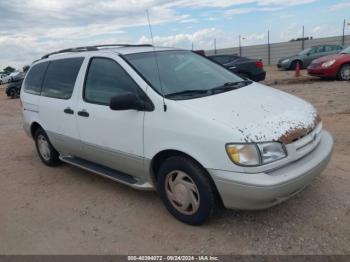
x=110, y=138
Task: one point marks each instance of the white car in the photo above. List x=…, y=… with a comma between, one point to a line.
x=171, y=120
x=5, y=79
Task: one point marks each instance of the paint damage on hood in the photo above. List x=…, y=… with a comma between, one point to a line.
x=259, y=113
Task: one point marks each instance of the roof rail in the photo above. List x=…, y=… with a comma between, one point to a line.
x=91, y=48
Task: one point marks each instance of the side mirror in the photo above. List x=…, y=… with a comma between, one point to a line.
x=126, y=101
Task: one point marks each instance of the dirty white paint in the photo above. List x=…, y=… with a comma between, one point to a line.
x=256, y=113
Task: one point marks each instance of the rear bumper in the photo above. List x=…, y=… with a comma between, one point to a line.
x=263, y=190
x=259, y=76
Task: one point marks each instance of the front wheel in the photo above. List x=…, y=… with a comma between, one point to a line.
x=344, y=72
x=47, y=153
x=187, y=191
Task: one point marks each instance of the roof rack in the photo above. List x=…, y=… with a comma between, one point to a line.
x=91, y=48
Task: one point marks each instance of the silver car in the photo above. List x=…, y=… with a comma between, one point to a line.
x=305, y=57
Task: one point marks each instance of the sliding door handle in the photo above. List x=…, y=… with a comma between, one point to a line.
x=83, y=113
x=68, y=110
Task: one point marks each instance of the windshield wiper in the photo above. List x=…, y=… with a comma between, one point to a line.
x=187, y=93
x=230, y=86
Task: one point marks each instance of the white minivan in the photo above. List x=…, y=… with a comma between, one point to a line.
x=172, y=120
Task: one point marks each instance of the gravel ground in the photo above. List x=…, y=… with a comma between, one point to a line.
x=65, y=210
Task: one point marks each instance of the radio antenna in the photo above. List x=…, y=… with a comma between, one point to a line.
x=156, y=61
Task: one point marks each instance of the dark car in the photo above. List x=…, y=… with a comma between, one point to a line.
x=13, y=89
x=245, y=67
x=305, y=57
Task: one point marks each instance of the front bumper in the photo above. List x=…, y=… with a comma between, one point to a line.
x=281, y=65
x=263, y=190
x=321, y=72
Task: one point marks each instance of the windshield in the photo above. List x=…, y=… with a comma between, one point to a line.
x=181, y=72
x=346, y=51
x=305, y=51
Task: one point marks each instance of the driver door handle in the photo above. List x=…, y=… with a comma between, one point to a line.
x=83, y=113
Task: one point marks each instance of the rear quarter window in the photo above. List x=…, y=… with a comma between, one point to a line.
x=60, y=77
x=34, y=79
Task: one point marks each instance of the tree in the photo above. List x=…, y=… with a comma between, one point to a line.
x=8, y=70
x=25, y=68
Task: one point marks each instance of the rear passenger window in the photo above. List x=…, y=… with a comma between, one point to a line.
x=60, y=77
x=105, y=79
x=35, y=78
x=222, y=59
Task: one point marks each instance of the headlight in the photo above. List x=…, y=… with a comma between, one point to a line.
x=285, y=61
x=255, y=154
x=328, y=63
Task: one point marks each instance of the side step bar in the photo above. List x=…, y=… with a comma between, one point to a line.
x=108, y=173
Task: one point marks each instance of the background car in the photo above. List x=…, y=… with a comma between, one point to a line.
x=16, y=76
x=305, y=57
x=13, y=89
x=334, y=66
x=5, y=79
x=1, y=77
x=245, y=67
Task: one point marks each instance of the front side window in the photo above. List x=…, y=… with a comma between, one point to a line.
x=35, y=78
x=105, y=79
x=181, y=72
x=60, y=77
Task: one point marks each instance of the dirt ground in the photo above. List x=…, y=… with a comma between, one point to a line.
x=66, y=210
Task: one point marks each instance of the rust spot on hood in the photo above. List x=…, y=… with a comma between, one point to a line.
x=297, y=133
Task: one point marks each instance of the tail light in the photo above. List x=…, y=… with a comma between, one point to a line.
x=259, y=64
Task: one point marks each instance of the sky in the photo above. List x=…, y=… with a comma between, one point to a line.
x=31, y=28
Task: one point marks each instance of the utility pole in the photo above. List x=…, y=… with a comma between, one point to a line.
x=214, y=45
x=268, y=48
x=343, y=38
x=302, y=40
x=240, y=45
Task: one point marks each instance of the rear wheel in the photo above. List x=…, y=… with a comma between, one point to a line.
x=187, y=191
x=47, y=153
x=344, y=72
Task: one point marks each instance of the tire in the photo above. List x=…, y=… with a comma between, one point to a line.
x=187, y=191
x=11, y=93
x=293, y=65
x=344, y=72
x=47, y=153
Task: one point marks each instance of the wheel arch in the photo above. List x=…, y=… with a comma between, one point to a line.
x=34, y=127
x=340, y=67
x=161, y=156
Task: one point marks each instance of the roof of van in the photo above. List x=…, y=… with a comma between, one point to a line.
x=119, y=49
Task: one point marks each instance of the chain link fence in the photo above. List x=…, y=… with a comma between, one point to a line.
x=271, y=53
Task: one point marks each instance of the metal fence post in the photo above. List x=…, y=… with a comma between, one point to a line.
x=214, y=45
x=240, y=45
x=343, y=38
x=302, y=40
x=268, y=48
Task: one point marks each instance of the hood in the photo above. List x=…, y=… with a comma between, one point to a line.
x=258, y=113
x=327, y=58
